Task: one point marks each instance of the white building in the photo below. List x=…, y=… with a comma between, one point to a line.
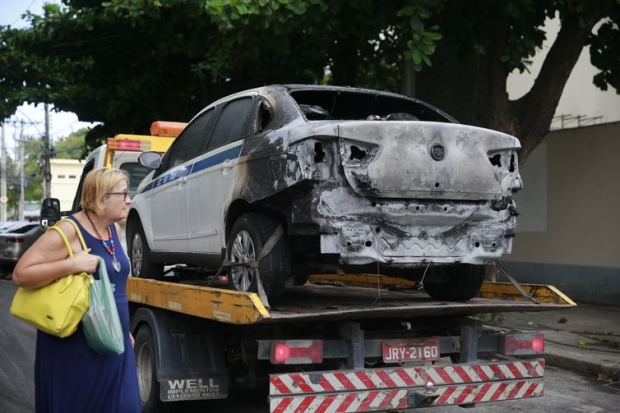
x=66, y=175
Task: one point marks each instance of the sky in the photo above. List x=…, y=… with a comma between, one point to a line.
x=61, y=123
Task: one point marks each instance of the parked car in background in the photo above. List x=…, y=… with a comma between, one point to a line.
x=32, y=210
x=15, y=239
x=360, y=181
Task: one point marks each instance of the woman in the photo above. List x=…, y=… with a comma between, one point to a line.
x=69, y=376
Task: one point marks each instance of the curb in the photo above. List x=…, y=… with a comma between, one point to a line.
x=588, y=362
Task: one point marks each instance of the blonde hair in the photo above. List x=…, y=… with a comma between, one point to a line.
x=97, y=184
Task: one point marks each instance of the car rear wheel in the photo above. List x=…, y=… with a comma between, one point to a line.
x=247, y=238
x=139, y=254
x=455, y=283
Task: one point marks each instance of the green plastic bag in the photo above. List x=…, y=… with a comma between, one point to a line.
x=101, y=324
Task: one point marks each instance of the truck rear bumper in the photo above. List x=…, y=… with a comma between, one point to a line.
x=368, y=390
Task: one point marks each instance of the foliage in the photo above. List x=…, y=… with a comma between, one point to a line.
x=126, y=63
x=71, y=147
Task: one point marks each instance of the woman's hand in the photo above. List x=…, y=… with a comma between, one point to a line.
x=85, y=262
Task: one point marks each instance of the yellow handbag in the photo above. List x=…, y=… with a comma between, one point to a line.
x=58, y=307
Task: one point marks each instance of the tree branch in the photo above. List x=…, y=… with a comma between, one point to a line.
x=537, y=107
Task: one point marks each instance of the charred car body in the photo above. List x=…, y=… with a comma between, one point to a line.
x=359, y=181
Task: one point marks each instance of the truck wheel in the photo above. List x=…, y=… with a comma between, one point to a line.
x=455, y=283
x=245, y=242
x=139, y=254
x=147, y=380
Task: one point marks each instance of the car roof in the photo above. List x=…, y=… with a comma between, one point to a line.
x=294, y=87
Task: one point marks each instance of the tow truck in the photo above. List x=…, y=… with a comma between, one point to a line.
x=339, y=343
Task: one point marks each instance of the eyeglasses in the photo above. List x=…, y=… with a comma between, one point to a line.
x=124, y=194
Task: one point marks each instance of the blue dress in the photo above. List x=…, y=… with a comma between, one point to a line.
x=72, y=378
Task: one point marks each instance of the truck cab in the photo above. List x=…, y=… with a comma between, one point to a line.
x=120, y=151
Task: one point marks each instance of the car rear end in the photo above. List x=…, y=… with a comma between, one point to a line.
x=419, y=192
x=15, y=240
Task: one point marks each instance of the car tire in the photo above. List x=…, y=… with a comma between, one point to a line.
x=455, y=283
x=140, y=254
x=245, y=242
x=145, y=351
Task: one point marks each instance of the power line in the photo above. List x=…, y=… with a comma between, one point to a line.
x=22, y=13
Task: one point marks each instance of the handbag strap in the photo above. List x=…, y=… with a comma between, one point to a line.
x=64, y=237
x=78, y=232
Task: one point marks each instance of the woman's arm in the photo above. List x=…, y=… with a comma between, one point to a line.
x=48, y=259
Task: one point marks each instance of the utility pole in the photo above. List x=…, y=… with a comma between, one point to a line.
x=3, y=177
x=21, y=174
x=47, y=173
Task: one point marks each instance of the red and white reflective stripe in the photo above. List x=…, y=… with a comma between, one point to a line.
x=488, y=392
x=341, y=403
x=348, y=380
x=368, y=401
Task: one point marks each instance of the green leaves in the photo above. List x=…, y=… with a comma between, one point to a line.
x=421, y=45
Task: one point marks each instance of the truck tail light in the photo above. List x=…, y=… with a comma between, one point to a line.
x=297, y=352
x=15, y=240
x=523, y=344
x=128, y=144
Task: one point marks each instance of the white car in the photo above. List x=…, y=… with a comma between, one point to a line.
x=359, y=181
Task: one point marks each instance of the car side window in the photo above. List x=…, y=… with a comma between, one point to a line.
x=233, y=123
x=191, y=141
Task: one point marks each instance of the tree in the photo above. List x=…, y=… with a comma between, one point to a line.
x=72, y=146
x=502, y=36
x=127, y=63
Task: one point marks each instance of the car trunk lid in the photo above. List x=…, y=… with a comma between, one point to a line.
x=423, y=160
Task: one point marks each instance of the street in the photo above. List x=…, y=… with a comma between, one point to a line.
x=565, y=391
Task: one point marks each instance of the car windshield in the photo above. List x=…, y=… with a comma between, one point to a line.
x=359, y=105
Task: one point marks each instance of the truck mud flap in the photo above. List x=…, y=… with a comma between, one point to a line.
x=405, y=387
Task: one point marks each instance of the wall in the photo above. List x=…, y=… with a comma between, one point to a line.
x=568, y=233
x=65, y=179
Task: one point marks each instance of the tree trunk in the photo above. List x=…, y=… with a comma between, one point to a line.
x=530, y=117
x=344, y=67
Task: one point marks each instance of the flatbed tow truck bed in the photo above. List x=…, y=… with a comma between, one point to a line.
x=331, y=297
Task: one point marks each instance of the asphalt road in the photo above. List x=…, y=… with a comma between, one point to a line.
x=565, y=391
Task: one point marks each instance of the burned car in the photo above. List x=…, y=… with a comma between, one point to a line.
x=343, y=180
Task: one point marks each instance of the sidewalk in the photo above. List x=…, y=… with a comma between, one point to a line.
x=585, y=339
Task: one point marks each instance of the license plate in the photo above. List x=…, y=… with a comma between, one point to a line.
x=398, y=351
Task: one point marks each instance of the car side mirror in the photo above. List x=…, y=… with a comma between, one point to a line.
x=150, y=159
x=50, y=212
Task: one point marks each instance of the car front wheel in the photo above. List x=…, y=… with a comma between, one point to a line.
x=139, y=254
x=247, y=238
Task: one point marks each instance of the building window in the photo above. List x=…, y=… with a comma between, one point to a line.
x=61, y=177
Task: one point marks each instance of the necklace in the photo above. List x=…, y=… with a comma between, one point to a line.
x=111, y=249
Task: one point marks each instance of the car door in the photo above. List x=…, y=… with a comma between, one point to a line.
x=167, y=200
x=214, y=177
